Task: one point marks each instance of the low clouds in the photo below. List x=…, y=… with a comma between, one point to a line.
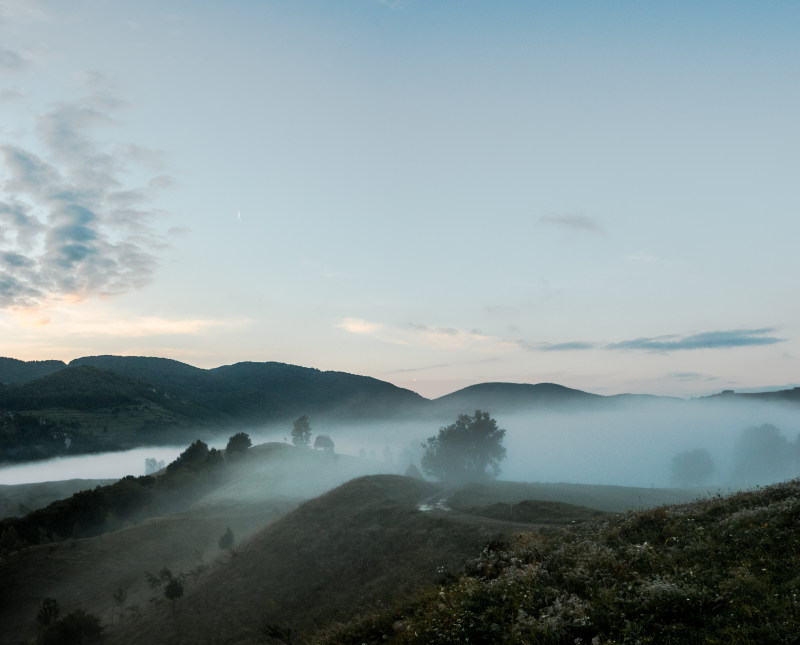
x=68, y=226
x=574, y=222
x=673, y=343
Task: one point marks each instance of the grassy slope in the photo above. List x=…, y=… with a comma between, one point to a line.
x=20, y=499
x=268, y=481
x=360, y=544
x=723, y=570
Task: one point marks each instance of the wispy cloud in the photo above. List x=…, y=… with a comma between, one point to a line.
x=642, y=256
x=705, y=340
x=670, y=343
x=573, y=221
x=566, y=347
x=421, y=335
x=68, y=225
x=691, y=376
x=11, y=61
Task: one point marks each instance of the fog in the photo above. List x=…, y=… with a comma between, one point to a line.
x=630, y=446
x=106, y=465
x=627, y=446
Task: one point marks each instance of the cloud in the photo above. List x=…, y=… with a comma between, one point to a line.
x=69, y=228
x=642, y=256
x=705, y=340
x=574, y=222
x=7, y=96
x=566, y=347
x=359, y=326
x=420, y=335
x=691, y=376
x=670, y=343
x=11, y=61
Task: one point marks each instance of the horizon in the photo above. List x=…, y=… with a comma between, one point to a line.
x=601, y=196
x=434, y=395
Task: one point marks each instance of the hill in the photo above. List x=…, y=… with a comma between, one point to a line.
x=16, y=372
x=513, y=397
x=722, y=570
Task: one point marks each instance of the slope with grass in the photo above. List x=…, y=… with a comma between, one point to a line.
x=720, y=571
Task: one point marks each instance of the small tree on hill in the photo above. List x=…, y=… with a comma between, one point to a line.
x=301, y=432
x=323, y=442
x=48, y=611
x=238, y=444
x=173, y=590
x=470, y=449
x=226, y=540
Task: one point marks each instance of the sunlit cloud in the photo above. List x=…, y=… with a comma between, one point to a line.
x=359, y=326
x=420, y=335
x=69, y=227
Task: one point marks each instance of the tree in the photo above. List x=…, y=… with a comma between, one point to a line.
x=470, y=449
x=226, y=540
x=76, y=628
x=301, y=431
x=691, y=467
x=323, y=442
x=191, y=458
x=120, y=596
x=48, y=611
x=238, y=444
x=173, y=590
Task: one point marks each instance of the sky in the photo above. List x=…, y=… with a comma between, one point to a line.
x=432, y=193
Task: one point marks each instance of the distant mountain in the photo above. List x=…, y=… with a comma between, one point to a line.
x=267, y=391
x=16, y=372
x=788, y=396
x=513, y=397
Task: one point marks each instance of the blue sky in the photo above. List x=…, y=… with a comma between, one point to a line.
x=602, y=195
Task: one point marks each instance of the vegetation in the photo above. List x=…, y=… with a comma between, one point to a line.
x=323, y=442
x=301, y=432
x=238, y=444
x=195, y=472
x=470, y=449
x=225, y=541
x=718, y=571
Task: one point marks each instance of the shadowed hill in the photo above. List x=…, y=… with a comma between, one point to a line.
x=722, y=570
x=362, y=544
x=511, y=397
x=267, y=391
x=16, y=372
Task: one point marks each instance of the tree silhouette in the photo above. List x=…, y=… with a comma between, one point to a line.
x=238, y=444
x=173, y=590
x=323, y=442
x=48, y=611
x=301, y=431
x=470, y=449
x=226, y=540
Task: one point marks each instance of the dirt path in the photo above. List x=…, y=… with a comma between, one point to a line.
x=436, y=505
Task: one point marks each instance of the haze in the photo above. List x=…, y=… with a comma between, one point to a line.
x=601, y=195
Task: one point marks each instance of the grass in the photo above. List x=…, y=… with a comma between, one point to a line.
x=719, y=571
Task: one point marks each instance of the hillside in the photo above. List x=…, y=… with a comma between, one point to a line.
x=719, y=571
x=513, y=397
